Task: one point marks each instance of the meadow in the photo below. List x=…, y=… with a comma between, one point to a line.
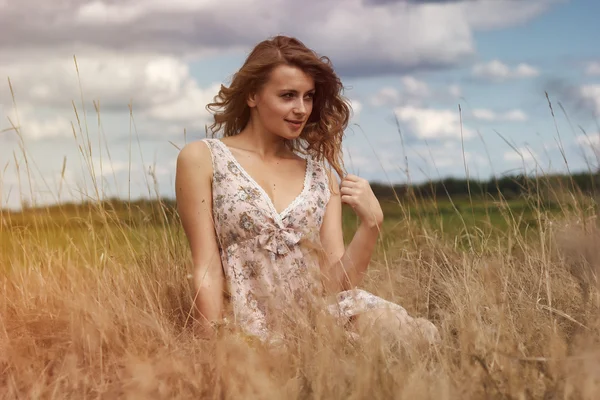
x=96, y=303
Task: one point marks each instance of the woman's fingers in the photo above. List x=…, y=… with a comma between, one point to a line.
x=347, y=199
x=346, y=183
x=352, y=178
x=350, y=185
x=357, y=193
x=345, y=190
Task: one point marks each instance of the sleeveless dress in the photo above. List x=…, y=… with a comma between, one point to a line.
x=266, y=256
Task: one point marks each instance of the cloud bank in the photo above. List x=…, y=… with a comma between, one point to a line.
x=363, y=38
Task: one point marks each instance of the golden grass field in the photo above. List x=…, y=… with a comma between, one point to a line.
x=96, y=303
x=100, y=309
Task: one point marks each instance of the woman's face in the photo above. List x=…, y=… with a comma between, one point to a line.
x=285, y=102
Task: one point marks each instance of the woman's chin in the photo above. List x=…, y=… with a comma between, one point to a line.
x=289, y=136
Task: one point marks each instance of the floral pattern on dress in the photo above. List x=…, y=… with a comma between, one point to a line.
x=262, y=252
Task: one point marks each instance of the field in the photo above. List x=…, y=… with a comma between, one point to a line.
x=96, y=304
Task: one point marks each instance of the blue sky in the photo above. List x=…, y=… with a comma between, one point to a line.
x=416, y=62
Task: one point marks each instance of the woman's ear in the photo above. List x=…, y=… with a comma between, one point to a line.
x=251, y=100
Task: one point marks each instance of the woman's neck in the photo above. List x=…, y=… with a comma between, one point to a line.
x=263, y=143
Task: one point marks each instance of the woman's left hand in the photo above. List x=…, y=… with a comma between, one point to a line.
x=357, y=193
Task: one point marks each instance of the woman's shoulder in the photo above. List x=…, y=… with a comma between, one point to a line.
x=196, y=155
x=195, y=149
x=194, y=170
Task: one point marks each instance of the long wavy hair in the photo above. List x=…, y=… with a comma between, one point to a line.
x=324, y=130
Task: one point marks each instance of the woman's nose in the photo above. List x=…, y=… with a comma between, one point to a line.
x=300, y=107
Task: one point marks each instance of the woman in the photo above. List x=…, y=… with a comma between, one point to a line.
x=262, y=212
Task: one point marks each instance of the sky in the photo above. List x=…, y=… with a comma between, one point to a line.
x=97, y=97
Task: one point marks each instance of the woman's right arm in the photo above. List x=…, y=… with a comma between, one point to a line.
x=194, y=204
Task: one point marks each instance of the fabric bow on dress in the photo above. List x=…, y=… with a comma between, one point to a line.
x=279, y=240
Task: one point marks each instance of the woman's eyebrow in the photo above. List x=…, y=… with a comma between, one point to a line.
x=295, y=91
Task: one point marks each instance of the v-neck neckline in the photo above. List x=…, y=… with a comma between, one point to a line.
x=279, y=216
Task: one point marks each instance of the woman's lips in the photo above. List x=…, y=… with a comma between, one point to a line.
x=294, y=124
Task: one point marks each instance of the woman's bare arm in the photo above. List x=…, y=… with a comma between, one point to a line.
x=346, y=266
x=194, y=204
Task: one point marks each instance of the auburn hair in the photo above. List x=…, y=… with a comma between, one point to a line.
x=324, y=130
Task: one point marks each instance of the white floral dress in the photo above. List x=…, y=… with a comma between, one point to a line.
x=266, y=263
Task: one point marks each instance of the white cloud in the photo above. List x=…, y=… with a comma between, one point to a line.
x=523, y=157
x=386, y=96
x=105, y=167
x=492, y=70
x=83, y=179
x=57, y=127
x=444, y=156
x=368, y=165
x=413, y=91
x=188, y=108
x=484, y=115
x=589, y=141
x=593, y=68
x=414, y=87
x=427, y=123
x=590, y=94
x=589, y=144
x=515, y=115
x=160, y=89
x=113, y=79
x=32, y=125
x=356, y=107
x=97, y=12
x=489, y=115
x=455, y=90
x=494, y=14
x=525, y=160
x=525, y=71
x=441, y=32
x=424, y=160
x=440, y=160
x=497, y=71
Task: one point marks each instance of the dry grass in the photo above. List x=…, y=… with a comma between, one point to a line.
x=104, y=312
x=518, y=321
